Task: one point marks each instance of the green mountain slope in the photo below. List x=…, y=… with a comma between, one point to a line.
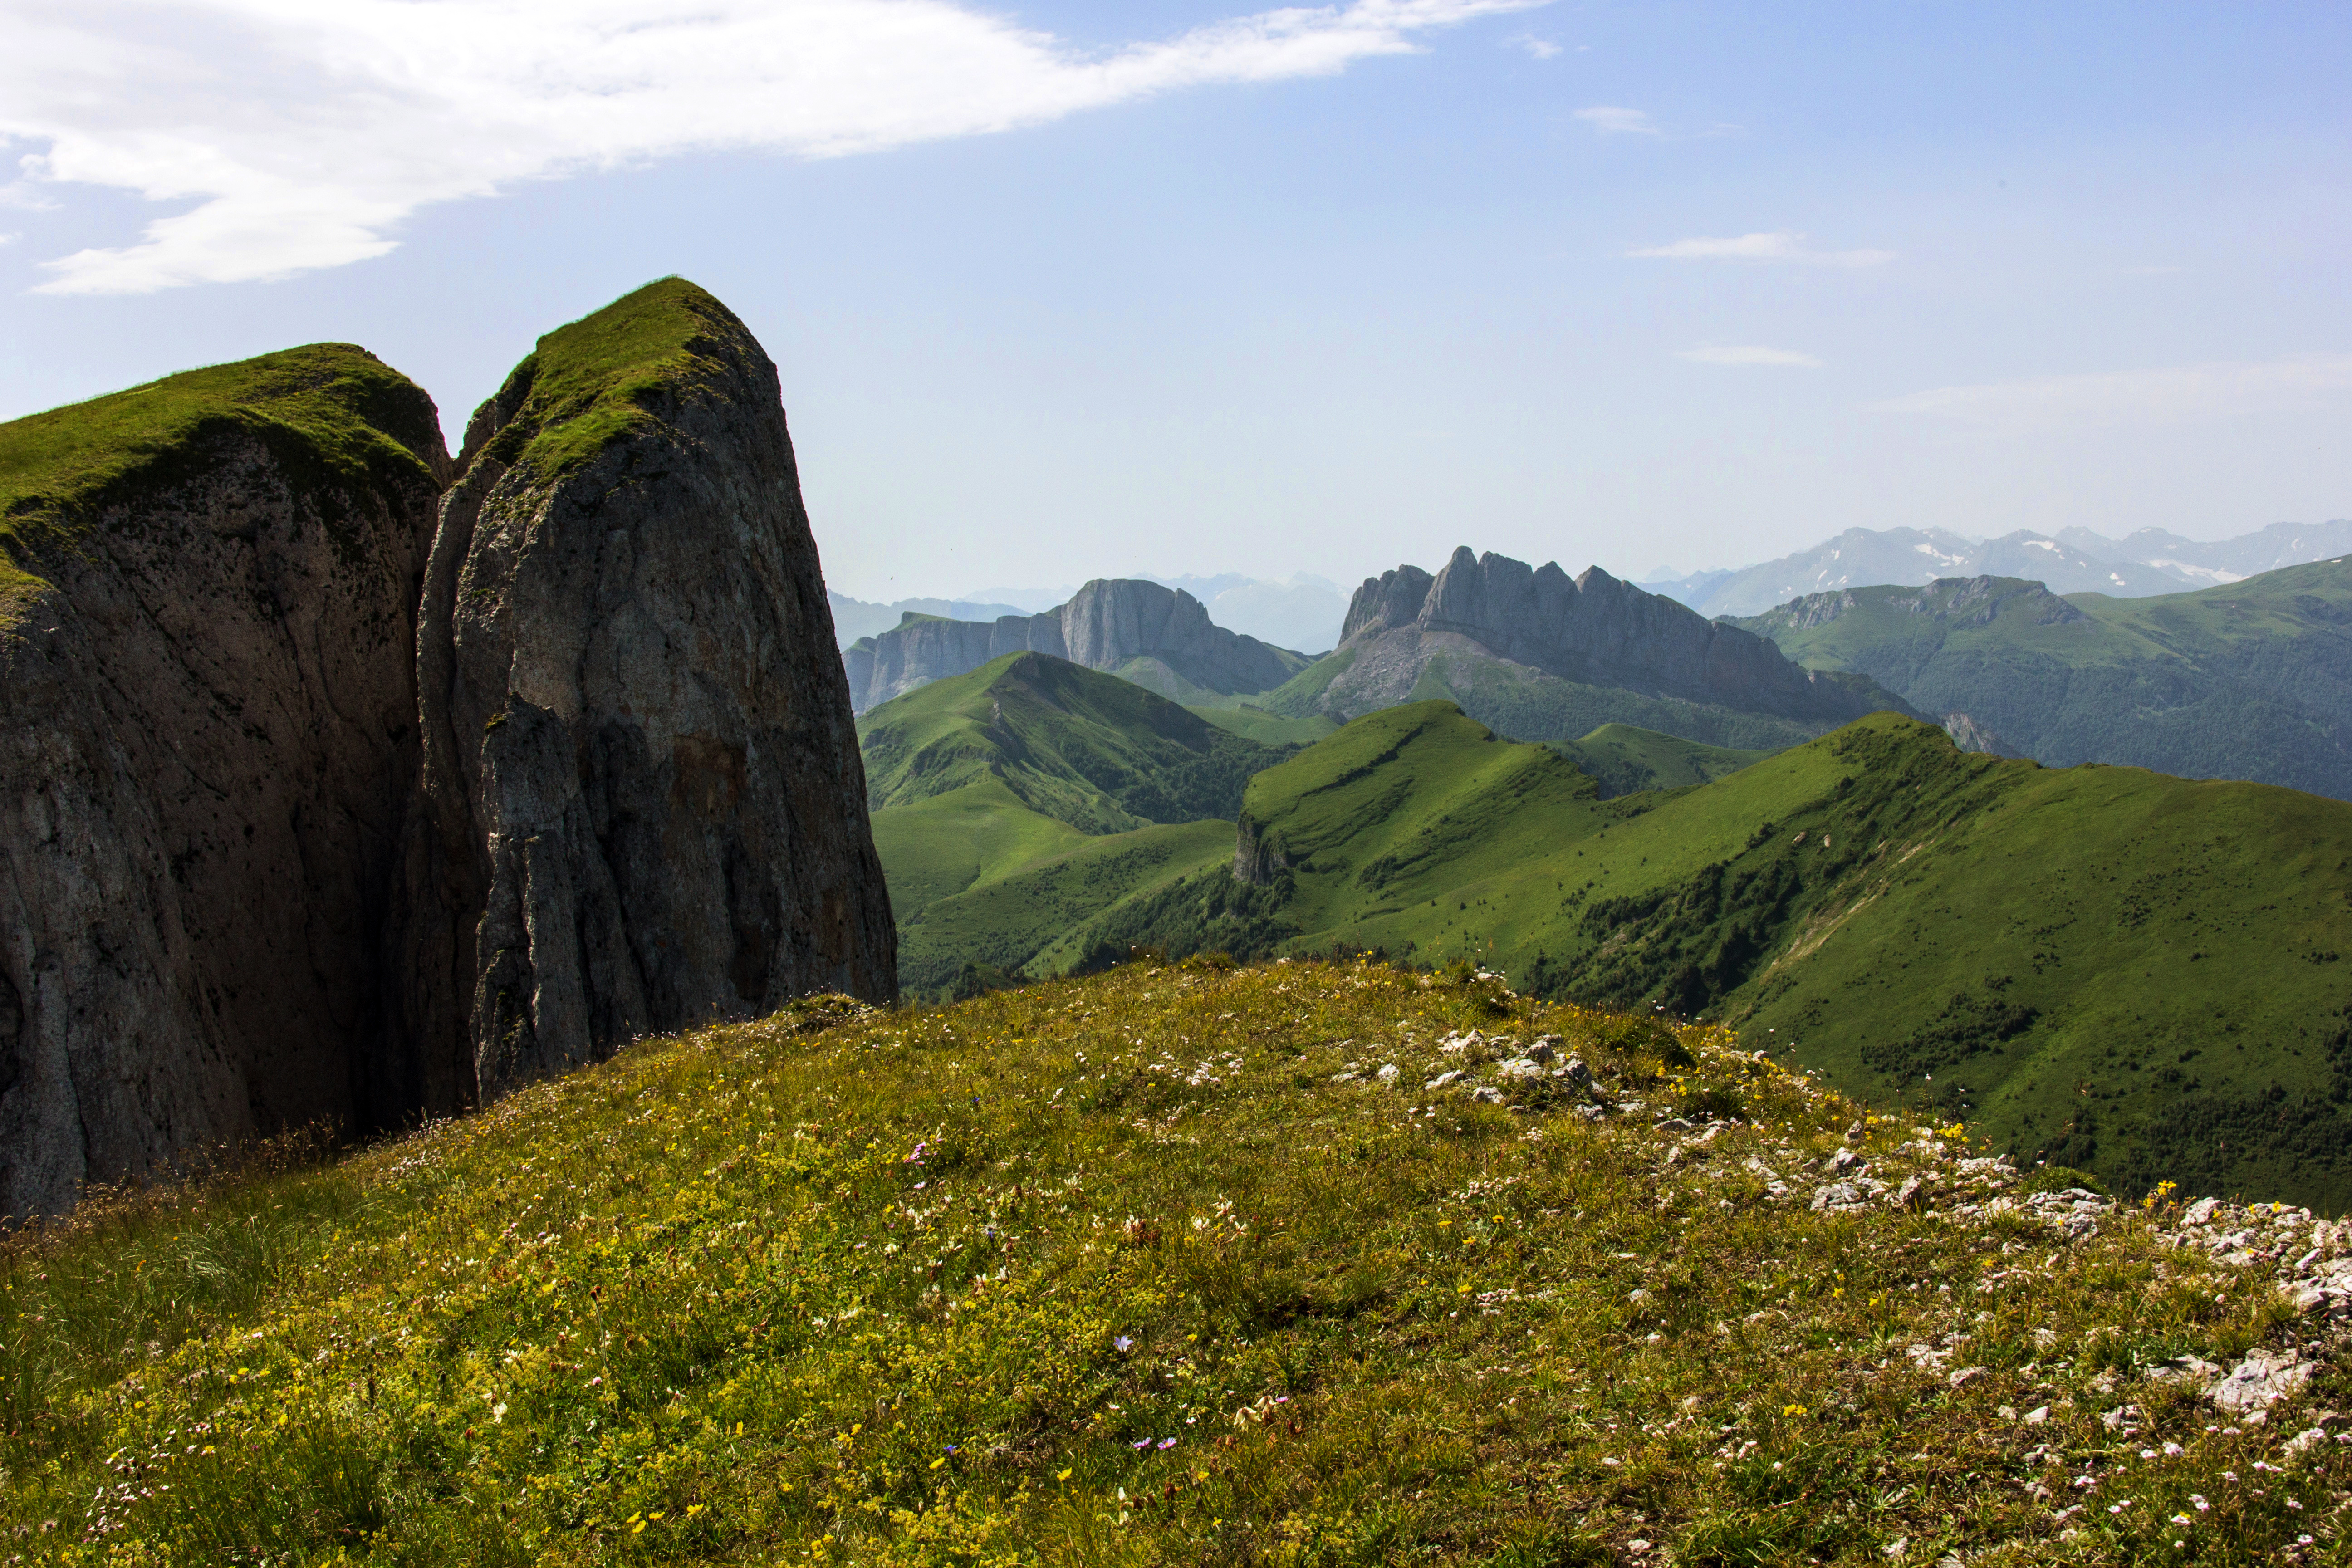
x=2101, y=966
x=2253, y=680
x=1032, y=760
x=1627, y=760
x=1533, y=705
x=1154, y=1267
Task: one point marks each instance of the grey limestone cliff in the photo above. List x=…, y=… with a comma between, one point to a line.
x=644, y=806
x=1592, y=629
x=1161, y=637
x=207, y=732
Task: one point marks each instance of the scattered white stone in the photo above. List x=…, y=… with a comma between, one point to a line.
x=2036, y=1416
x=2260, y=1381
x=1486, y=1094
x=1388, y=1073
x=1443, y=1079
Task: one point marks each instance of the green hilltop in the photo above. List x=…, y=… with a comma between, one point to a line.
x=589, y=383
x=2250, y=680
x=1625, y=759
x=334, y=417
x=1171, y=1265
x=1030, y=762
x=2098, y=966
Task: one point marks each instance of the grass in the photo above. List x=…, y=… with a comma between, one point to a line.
x=1254, y=723
x=1023, y=918
x=2251, y=680
x=334, y=417
x=2103, y=967
x=1627, y=760
x=1533, y=705
x=588, y=385
x=1147, y=1267
x=1034, y=762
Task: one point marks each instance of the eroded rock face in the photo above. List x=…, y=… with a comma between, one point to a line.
x=1108, y=625
x=1592, y=629
x=208, y=731
x=644, y=806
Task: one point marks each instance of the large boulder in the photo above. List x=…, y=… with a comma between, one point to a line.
x=207, y=733
x=644, y=806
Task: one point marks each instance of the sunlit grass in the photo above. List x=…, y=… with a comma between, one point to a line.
x=1117, y=1271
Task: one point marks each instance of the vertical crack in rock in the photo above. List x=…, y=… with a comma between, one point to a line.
x=643, y=804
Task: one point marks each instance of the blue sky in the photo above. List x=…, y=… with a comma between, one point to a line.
x=1060, y=291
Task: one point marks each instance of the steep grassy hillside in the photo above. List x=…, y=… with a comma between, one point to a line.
x=2129, y=973
x=1627, y=760
x=1034, y=761
x=2253, y=680
x=1159, y=1268
x=1252, y=722
x=1532, y=705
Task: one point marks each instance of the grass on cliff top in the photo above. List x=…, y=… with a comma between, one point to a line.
x=331, y=412
x=1119, y=1271
x=585, y=385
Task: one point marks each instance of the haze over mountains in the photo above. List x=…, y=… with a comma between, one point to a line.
x=2075, y=561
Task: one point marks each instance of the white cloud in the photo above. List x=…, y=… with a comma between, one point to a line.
x=1614, y=121
x=1748, y=353
x=1778, y=247
x=303, y=133
x=1538, y=48
x=2169, y=395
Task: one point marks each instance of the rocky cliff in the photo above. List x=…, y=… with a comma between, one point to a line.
x=1160, y=637
x=643, y=803
x=1598, y=631
x=332, y=791
x=208, y=731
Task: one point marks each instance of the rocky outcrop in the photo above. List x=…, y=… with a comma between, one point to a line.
x=643, y=803
x=923, y=649
x=207, y=732
x=1597, y=631
x=330, y=792
x=1110, y=624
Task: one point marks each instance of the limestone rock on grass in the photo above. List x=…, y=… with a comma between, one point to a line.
x=207, y=727
x=644, y=804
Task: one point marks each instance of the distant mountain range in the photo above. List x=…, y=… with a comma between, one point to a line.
x=1303, y=613
x=2253, y=680
x=2075, y=561
x=1156, y=638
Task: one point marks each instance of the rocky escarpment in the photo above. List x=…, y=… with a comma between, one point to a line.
x=207, y=730
x=1160, y=637
x=643, y=801
x=1594, y=630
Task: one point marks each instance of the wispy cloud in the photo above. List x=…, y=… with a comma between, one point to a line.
x=303, y=133
x=2169, y=395
x=1610, y=120
x=1748, y=353
x=1540, y=49
x=1779, y=245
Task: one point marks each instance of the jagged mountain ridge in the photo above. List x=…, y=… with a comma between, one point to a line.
x=1159, y=638
x=1547, y=657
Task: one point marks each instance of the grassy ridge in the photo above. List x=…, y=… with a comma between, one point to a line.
x=2251, y=680
x=1143, y=1269
x=334, y=416
x=1627, y=760
x=1532, y=705
x=2129, y=973
x=1034, y=761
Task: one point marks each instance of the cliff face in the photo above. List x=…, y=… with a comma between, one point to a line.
x=1108, y=625
x=1593, y=629
x=207, y=730
x=643, y=801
